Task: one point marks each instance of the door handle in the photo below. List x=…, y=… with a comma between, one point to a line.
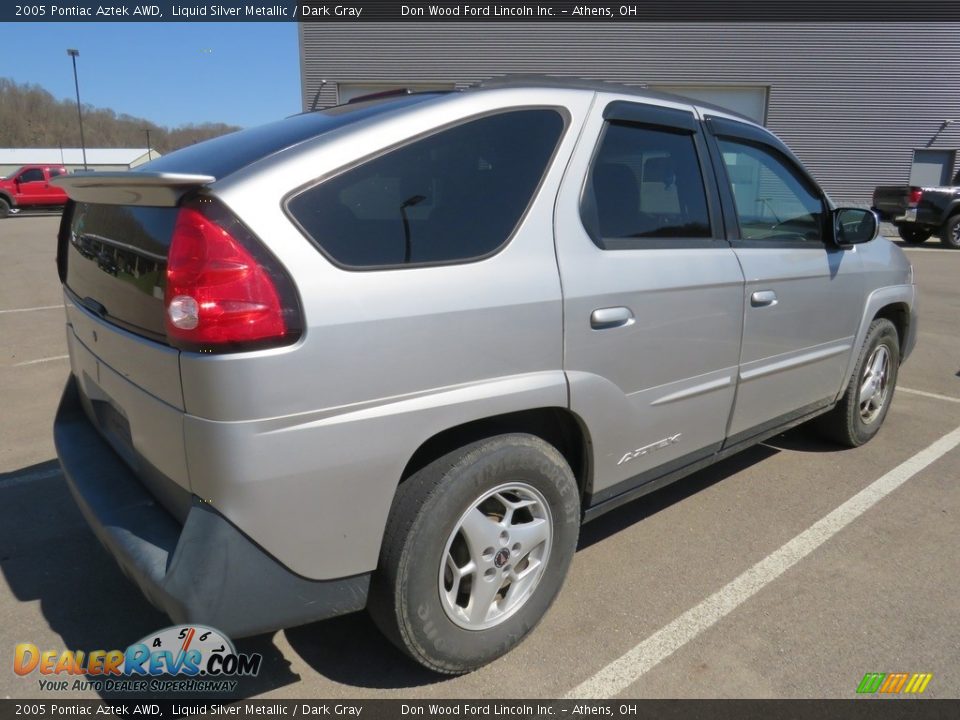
x=612, y=317
x=763, y=298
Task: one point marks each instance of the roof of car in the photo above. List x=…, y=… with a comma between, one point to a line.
x=226, y=154
x=535, y=80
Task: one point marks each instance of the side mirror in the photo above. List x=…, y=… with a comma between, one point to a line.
x=853, y=226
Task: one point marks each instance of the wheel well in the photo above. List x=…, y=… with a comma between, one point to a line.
x=557, y=426
x=899, y=315
x=4, y=196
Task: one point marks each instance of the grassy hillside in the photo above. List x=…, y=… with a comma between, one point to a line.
x=31, y=117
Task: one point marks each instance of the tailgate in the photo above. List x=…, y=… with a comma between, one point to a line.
x=112, y=260
x=891, y=199
x=114, y=267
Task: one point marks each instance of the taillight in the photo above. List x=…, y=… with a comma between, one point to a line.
x=914, y=197
x=224, y=290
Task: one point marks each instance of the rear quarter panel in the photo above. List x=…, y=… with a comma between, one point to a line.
x=303, y=447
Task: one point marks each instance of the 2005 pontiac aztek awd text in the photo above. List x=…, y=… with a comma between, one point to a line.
x=391, y=354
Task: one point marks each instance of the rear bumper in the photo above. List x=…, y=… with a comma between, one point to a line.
x=907, y=216
x=205, y=571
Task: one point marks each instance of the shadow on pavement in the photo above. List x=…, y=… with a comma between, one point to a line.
x=637, y=510
x=350, y=650
x=803, y=439
x=49, y=556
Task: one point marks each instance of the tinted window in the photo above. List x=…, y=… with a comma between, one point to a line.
x=456, y=195
x=116, y=255
x=32, y=175
x=773, y=201
x=645, y=183
x=54, y=172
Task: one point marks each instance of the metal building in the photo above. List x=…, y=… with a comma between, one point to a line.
x=97, y=158
x=862, y=104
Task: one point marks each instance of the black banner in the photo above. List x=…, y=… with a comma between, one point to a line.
x=637, y=11
x=862, y=709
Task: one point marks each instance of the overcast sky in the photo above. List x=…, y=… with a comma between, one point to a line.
x=171, y=73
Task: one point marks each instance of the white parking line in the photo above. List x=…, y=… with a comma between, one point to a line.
x=33, y=309
x=924, y=393
x=631, y=666
x=41, y=360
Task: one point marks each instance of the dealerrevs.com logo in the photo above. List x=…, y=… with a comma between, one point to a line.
x=182, y=658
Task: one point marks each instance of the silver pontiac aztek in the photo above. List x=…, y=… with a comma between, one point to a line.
x=393, y=353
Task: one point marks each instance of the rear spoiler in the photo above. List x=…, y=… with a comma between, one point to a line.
x=156, y=189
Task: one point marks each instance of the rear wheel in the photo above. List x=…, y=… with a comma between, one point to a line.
x=4, y=208
x=912, y=235
x=860, y=413
x=950, y=234
x=476, y=549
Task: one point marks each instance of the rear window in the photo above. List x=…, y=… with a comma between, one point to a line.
x=116, y=261
x=454, y=196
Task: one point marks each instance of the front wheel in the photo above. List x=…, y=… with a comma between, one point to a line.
x=477, y=546
x=863, y=408
x=950, y=234
x=912, y=235
x=4, y=208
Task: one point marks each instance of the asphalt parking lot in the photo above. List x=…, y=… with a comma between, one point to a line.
x=757, y=577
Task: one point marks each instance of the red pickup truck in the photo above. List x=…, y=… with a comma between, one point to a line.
x=29, y=188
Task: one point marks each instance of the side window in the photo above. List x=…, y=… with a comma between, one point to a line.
x=55, y=172
x=454, y=196
x=773, y=201
x=31, y=175
x=644, y=183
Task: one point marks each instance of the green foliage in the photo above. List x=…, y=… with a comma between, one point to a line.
x=31, y=117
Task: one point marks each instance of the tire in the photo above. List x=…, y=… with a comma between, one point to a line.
x=912, y=235
x=950, y=233
x=4, y=208
x=852, y=422
x=459, y=502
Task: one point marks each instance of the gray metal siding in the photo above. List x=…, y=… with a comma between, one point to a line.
x=851, y=99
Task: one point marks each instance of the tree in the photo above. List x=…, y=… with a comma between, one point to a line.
x=31, y=117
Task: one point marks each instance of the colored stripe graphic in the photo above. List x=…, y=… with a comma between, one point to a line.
x=893, y=683
x=918, y=683
x=871, y=683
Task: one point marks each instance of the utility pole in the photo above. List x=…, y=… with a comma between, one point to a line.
x=73, y=53
x=149, y=155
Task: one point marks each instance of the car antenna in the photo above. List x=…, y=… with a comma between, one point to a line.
x=316, y=98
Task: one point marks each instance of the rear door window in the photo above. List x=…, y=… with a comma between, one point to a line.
x=454, y=196
x=644, y=183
